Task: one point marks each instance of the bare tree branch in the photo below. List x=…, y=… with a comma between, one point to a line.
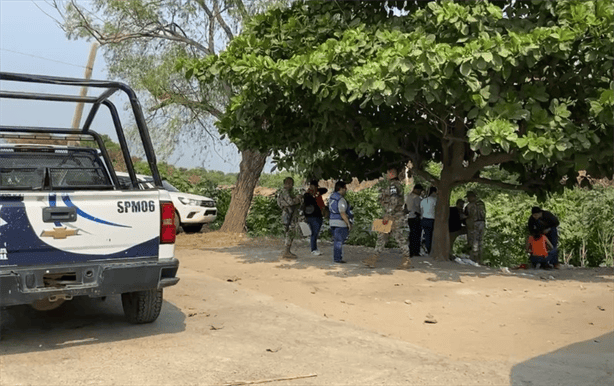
x=218, y=16
x=242, y=9
x=159, y=31
x=211, y=24
x=180, y=99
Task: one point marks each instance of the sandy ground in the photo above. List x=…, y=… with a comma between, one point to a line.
x=240, y=313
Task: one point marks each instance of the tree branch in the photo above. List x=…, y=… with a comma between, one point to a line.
x=159, y=32
x=183, y=101
x=211, y=24
x=422, y=107
x=425, y=175
x=242, y=9
x=220, y=19
x=483, y=161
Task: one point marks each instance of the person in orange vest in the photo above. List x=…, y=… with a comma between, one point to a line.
x=538, y=246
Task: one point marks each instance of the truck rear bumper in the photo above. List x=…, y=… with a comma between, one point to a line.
x=25, y=285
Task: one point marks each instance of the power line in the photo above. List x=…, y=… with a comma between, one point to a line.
x=40, y=57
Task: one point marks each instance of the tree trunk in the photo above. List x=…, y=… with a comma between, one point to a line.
x=250, y=169
x=441, y=234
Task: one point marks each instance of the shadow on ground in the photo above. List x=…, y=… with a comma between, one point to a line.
x=586, y=363
x=268, y=251
x=81, y=321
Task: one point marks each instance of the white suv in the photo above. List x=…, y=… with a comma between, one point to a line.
x=192, y=211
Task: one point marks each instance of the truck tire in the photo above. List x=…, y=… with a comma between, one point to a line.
x=192, y=228
x=142, y=306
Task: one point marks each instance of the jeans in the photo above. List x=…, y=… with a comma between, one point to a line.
x=415, y=236
x=427, y=225
x=340, y=234
x=553, y=236
x=543, y=260
x=315, y=223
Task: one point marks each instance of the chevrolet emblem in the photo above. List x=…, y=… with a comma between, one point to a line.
x=60, y=233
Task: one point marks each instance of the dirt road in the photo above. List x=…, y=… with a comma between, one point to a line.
x=240, y=314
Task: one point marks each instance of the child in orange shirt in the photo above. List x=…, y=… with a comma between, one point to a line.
x=538, y=246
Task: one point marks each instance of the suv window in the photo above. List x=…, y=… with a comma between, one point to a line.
x=165, y=184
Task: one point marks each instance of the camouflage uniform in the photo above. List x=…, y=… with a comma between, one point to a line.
x=289, y=201
x=476, y=221
x=392, y=201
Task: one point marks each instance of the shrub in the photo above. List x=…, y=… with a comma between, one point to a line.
x=264, y=218
x=222, y=202
x=366, y=208
x=276, y=180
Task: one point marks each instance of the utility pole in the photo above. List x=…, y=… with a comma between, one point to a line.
x=88, y=75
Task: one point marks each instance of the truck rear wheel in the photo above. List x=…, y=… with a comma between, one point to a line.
x=142, y=306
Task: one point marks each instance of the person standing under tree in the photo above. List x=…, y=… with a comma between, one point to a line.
x=476, y=222
x=289, y=202
x=341, y=218
x=391, y=198
x=412, y=205
x=427, y=206
x=456, y=223
x=313, y=204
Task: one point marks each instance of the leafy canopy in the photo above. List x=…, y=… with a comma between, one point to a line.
x=354, y=86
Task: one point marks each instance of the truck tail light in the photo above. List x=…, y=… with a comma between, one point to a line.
x=167, y=223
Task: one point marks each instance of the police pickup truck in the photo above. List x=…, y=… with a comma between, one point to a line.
x=67, y=227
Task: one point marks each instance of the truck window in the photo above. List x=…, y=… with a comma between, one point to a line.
x=40, y=168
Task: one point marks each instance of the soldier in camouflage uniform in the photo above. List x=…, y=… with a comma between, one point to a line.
x=289, y=201
x=476, y=221
x=391, y=198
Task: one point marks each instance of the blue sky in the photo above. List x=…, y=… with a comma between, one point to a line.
x=32, y=42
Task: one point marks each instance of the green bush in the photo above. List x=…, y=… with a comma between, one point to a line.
x=585, y=234
x=222, y=202
x=506, y=229
x=264, y=218
x=366, y=208
x=276, y=180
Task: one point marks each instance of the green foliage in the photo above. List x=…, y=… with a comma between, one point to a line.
x=222, y=202
x=264, y=218
x=276, y=180
x=586, y=218
x=367, y=75
x=366, y=208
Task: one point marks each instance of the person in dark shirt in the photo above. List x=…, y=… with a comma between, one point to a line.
x=456, y=223
x=544, y=222
x=313, y=205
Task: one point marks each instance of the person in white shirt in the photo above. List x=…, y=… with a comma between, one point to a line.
x=427, y=206
x=412, y=205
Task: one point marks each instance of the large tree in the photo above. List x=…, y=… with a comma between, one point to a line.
x=351, y=88
x=142, y=40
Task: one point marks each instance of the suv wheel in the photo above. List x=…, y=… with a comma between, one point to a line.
x=142, y=306
x=177, y=223
x=192, y=228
